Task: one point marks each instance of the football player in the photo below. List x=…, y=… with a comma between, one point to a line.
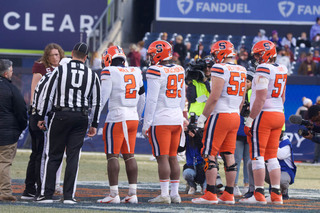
x=264, y=124
x=163, y=117
x=221, y=114
x=123, y=88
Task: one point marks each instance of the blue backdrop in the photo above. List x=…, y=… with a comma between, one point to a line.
x=33, y=24
x=239, y=11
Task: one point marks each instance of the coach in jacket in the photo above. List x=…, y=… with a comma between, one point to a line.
x=13, y=120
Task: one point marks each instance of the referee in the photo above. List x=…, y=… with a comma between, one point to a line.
x=71, y=88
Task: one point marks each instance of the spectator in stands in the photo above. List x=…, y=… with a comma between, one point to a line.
x=275, y=39
x=289, y=53
x=289, y=40
x=189, y=52
x=181, y=49
x=261, y=36
x=175, y=58
x=164, y=36
x=303, y=41
x=134, y=56
x=110, y=44
x=308, y=67
x=316, y=56
x=315, y=29
x=200, y=53
x=283, y=59
x=303, y=110
x=302, y=57
x=243, y=59
x=316, y=42
x=143, y=53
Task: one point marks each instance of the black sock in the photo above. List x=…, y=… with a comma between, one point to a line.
x=229, y=189
x=212, y=189
x=260, y=190
x=277, y=191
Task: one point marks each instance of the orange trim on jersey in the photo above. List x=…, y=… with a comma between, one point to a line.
x=218, y=70
x=105, y=72
x=153, y=72
x=265, y=70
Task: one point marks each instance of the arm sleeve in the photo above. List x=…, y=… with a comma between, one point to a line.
x=96, y=102
x=49, y=94
x=152, y=99
x=106, y=88
x=141, y=103
x=19, y=108
x=284, y=152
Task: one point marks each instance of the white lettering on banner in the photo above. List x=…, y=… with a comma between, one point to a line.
x=86, y=21
x=46, y=21
x=13, y=21
x=27, y=25
x=222, y=7
x=308, y=10
x=66, y=24
x=299, y=138
x=6, y=21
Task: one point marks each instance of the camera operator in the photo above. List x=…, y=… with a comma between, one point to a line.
x=198, y=90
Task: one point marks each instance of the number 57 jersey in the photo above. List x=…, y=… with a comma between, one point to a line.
x=165, y=95
x=121, y=85
x=277, y=76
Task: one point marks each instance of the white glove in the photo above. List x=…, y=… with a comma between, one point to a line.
x=145, y=132
x=201, y=120
x=248, y=122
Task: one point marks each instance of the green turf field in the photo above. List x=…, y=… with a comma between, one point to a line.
x=93, y=167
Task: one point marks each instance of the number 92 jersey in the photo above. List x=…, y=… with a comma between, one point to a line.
x=123, y=85
x=234, y=87
x=170, y=97
x=277, y=76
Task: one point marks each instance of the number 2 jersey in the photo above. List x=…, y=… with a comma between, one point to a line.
x=233, y=90
x=165, y=95
x=121, y=85
x=277, y=76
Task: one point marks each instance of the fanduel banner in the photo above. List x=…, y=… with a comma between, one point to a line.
x=239, y=11
x=33, y=24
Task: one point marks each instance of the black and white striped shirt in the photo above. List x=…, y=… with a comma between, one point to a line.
x=39, y=92
x=73, y=85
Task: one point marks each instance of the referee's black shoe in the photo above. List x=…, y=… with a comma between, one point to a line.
x=70, y=201
x=27, y=196
x=43, y=199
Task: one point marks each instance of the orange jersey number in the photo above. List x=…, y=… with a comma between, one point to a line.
x=172, y=85
x=238, y=83
x=131, y=92
x=279, y=85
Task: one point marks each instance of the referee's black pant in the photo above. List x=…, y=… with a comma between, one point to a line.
x=33, y=170
x=66, y=131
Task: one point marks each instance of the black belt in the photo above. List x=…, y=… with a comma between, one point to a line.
x=68, y=109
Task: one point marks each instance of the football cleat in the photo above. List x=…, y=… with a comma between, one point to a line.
x=109, y=199
x=130, y=199
x=207, y=198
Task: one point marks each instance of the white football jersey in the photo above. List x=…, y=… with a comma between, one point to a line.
x=121, y=85
x=165, y=95
x=234, y=77
x=277, y=76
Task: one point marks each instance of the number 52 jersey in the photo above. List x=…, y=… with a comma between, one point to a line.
x=165, y=95
x=120, y=85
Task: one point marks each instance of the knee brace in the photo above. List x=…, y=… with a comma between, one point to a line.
x=258, y=163
x=209, y=164
x=231, y=168
x=272, y=164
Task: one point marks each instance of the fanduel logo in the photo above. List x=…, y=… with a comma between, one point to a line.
x=185, y=6
x=283, y=5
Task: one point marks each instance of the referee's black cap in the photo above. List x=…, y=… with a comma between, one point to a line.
x=81, y=47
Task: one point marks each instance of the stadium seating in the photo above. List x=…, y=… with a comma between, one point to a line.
x=208, y=39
